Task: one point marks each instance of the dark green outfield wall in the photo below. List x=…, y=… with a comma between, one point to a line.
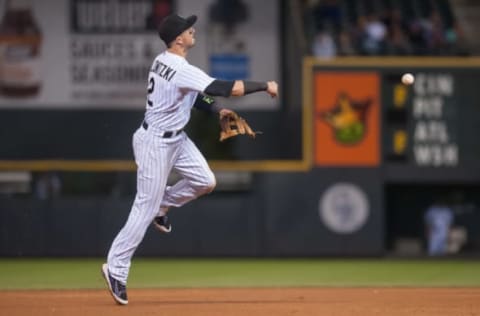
x=280, y=218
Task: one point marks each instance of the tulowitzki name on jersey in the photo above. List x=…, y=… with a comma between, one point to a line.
x=164, y=71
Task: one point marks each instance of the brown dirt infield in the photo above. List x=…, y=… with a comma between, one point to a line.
x=247, y=301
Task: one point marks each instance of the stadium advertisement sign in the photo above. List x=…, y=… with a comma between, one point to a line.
x=97, y=54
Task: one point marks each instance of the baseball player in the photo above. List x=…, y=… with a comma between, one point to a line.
x=160, y=145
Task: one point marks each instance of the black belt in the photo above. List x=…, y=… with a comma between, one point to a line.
x=166, y=134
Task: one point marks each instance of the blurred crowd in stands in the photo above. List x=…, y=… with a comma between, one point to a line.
x=383, y=27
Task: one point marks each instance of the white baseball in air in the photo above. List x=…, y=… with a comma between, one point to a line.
x=408, y=79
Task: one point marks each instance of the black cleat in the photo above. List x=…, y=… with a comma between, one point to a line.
x=117, y=289
x=162, y=224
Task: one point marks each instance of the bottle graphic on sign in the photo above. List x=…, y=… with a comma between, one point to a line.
x=20, y=45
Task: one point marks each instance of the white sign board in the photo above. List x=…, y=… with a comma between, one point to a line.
x=96, y=54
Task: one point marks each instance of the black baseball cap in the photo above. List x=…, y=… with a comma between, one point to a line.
x=174, y=25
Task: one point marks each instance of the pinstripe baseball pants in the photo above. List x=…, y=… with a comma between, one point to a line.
x=155, y=158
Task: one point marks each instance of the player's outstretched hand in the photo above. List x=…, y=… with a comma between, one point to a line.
x=272, y=88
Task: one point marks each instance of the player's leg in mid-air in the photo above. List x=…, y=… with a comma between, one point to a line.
x=153, y=158
x=197, y=179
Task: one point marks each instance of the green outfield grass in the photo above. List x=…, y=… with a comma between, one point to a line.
x=162, y=273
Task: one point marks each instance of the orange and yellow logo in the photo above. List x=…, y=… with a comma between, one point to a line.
x=347, y=119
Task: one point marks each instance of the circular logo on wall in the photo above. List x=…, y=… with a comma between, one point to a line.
x=344, y=208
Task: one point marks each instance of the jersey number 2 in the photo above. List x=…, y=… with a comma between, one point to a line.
x=151, y=86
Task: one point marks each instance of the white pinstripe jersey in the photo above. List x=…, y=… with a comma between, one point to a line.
x=173, y=85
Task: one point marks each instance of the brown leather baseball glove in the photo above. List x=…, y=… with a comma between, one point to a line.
x=231, y=124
